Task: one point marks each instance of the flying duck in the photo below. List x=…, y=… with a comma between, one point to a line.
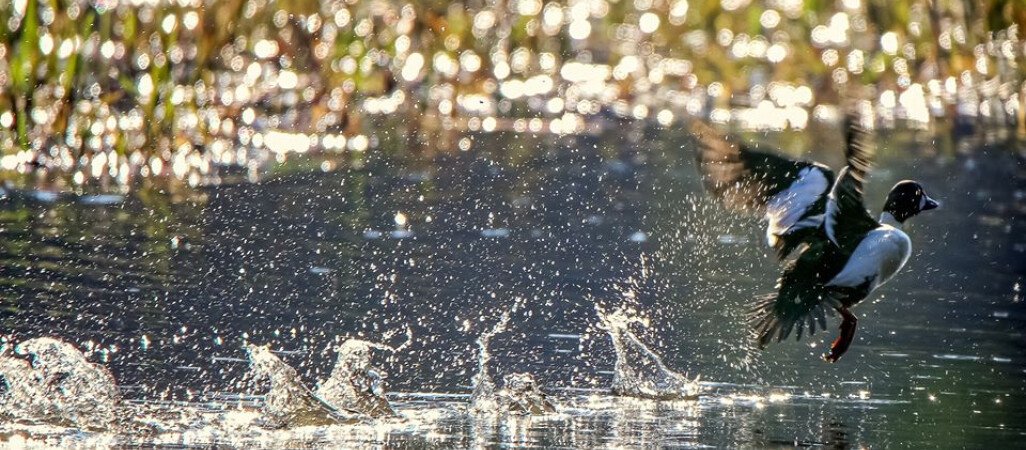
x=845, y=260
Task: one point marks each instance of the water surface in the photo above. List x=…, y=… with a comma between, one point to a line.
x=165, y=285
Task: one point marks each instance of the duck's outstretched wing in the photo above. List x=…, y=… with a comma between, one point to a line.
x=790, y=194
x=859, y=149
x=742, y=178
x=847, y=220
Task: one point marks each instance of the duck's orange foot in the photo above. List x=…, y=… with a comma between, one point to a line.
x=844, y=338
x=837, y=350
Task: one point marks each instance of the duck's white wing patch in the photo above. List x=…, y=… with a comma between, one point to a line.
x=784, y=211
x=878, y=257
x=830, y=219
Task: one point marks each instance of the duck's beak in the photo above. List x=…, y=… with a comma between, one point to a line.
x=930, y=203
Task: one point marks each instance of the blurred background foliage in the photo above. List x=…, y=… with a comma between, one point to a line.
x=122, y=88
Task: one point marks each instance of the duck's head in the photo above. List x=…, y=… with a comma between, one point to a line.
x=907, y=198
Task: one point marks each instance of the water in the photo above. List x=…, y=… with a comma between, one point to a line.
x=288, y=403
x=355, y=384
x=484, y=398
x=520, y=393
x=166, y=286
x=57, y=384
x=640, y=372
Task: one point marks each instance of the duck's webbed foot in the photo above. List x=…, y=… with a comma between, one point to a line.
x=844, y=338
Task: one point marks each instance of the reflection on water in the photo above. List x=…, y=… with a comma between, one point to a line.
x=164, y=286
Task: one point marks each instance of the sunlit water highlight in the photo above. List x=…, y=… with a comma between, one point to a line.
x=290, y=414
x=57, y=384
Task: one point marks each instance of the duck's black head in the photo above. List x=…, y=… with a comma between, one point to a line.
x=907, y=199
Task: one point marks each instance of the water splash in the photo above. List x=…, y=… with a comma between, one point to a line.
x=640, y=372
x=355, y=383
x=521, y=394
x=483, y=398
x=57, y=385
x=289, y=403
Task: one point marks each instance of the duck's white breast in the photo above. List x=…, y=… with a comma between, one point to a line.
x=880, y=255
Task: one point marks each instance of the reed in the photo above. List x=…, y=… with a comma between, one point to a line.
x=159, y=76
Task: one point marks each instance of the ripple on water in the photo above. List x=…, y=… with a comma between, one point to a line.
x=101, y=199
x=638, y=237
x=955, y=357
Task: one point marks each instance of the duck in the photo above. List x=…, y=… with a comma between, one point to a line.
x=791, y=195
x=844, y=259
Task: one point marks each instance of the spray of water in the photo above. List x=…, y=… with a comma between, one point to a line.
x=57, y=384
x=640, y=372
x=289, y=403
x=483, y=399
x=355, y=383
x=520, y=393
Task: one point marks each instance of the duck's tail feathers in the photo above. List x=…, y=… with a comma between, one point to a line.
x=770, y=320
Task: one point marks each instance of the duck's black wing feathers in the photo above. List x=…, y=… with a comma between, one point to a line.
x=801, y=301
x=847, y=220
x=859, y=149
x=743, y=179
x=803, y=298
x=791, y=195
